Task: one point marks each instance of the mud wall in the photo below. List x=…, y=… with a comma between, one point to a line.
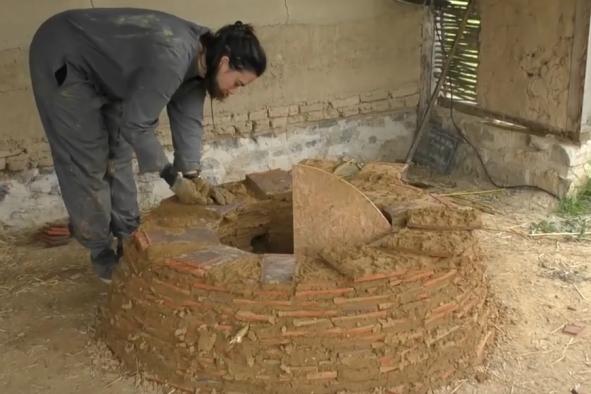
x=330, y=60
x=526, y=58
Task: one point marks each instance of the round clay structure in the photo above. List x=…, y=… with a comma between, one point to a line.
x=211, y=298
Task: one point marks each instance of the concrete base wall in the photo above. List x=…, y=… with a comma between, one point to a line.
x=516, y=158
x=34, y=198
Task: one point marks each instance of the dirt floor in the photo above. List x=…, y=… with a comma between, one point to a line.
x=49, y=298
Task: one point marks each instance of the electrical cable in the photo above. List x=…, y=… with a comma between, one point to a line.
x=461, y=132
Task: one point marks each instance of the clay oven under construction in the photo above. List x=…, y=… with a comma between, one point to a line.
x=213, y=298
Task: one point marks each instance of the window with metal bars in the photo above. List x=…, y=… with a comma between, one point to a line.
x=462, y=79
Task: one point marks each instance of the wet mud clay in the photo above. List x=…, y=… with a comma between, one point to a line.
x=211, y=299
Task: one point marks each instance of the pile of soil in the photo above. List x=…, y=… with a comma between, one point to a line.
x=210, y=298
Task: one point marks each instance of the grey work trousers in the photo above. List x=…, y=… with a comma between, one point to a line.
x=92, y=163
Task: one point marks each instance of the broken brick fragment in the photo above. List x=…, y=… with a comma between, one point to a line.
x=573, y=329
x=141, y=240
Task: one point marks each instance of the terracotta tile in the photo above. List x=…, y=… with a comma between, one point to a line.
x=270, y=183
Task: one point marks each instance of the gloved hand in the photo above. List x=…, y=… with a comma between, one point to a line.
x=189, y=190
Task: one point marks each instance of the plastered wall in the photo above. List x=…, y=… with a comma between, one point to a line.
x=586, y=113
x=329, y=59
x=526, y=57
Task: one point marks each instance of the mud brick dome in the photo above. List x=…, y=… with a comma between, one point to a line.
x=211, y=298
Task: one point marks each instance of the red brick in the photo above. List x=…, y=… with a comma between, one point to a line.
x=241, y=301
x=318, y=323
x=319, y=285
x=369, y=339
x=482, y=345
x=440, y=279
x=445, y=309
x=417, y=275
x=369, y=299
x=141, y=240
x=181, y=266
x=423, y=296
x=378, y=345
x=182, y=304
x=274, y=341
x=167, y=287
x=379, y=276
x=398, y=324
x=410, y=294
x=433, y=319
x=397, y=390
x=388, y=369
x=467, y=306
x=350, y=309
x=386, y=361
x=57, y=230
x=320, y=313
x=372, y=315
x=352, y=332
x=253, y=317
x=203, y=286
x=347, y=333
x=301, y=370
x=319, y=293
x=223, y=328
x=298, y=333
x=326, y=375
x=272, y=293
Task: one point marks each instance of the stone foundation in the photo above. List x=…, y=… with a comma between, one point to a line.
x=518, y=158
x=211, y=298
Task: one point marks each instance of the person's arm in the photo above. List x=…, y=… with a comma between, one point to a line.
x=185, y=112
x=141, y=110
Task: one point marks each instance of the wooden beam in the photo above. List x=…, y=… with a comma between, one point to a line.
x=578, y=67
x=528, y=126
x=425, y=118
x=426, y=77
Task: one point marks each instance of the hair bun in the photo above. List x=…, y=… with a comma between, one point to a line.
x=238, y=26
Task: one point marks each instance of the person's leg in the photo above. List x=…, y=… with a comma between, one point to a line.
x=70, y=111
x=125, y=215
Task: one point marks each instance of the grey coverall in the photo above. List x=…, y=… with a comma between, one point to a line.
x=101, y=78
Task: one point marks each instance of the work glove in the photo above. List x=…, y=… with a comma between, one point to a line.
x=189, y=188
